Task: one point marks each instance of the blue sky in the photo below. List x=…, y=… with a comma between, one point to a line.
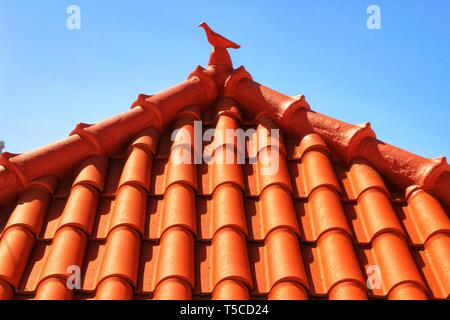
x=398, y=78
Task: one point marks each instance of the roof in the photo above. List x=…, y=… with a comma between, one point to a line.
x=344, y=216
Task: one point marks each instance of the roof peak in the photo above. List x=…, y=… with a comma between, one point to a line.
x=219, y=55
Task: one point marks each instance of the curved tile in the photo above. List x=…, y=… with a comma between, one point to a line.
x=121, y=255
x=179, y=208
x=129, y=209
x=288, y=291
x=360, y=178
x=225, y=169
x=114, y=288
x=322, y=212
x=374, y=215
x=176, y=256
x=180, y=168
x=173, y=289
x=229, y=257
x=54, y=289
x=225, y=134
x=424, y=217
x=147, y=139
x=272, y=170
x=31, y=210
x=408, y=291
x=93, y=172
x=331, y=262
x=391, y=256
x=436, y=265
x=269, y=136
x=16, y=245
x=231, y=290
x=137, y=169
x=296, y=148
x=348, y=290
x=80, y=209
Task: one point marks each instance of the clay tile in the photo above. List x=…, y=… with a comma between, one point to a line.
x=408, y=291
x=6, y=292
x=272, y=170
x=114, y=288
x=31, y=210
x=88, y=136
x=357, y=135
x=181, y=169
x=334, y=261
x=15, y=248
x=121, y=255
x=230, y=258
x=231, y=290
x=288, y=291
x=375, y=215
x=364, y=177
x=192, y=112
x=310, y=142
x=424, y=216
x=93, y=172
x=54, y=289
x=173, y=289
x=129, y=208
x=176, y=256
x=80, y=209
x=349, y=290
x=323, y=213
x=229, y=107
x=277, y=210
x=179, y=208
x=228, y=209
x=436, y=265
x=48, y=182
x=317, y=171
x=225, y=135
x=147, y=139
x=226, y=169
x=391, y=255
x=283, y=258
x=67, y=249
x=268, y=135
x=137, y=169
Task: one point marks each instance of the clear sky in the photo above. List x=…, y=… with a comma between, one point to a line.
x=398, y=78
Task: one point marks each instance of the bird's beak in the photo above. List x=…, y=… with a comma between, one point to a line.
x=201, y=25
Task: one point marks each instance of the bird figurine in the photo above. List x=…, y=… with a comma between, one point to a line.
x=216, y=40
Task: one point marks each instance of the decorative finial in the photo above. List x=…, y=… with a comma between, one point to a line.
x=219, y=55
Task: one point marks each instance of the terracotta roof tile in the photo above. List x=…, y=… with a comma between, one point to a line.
x=344, y=216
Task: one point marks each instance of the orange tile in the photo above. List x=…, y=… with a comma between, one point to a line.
x=374, y=215
x=323, y=212
x=348, y=291
x=180, y=168
x=15, y=247
x=272, y=170
x=114, y=173
x=121, y=256
x=288, y=291
x=314, y=171
x=265, y=139
x=93, y=172
x=225, y=169
x=173, y=289
x=360, y=178
x=31, y=210
x=224, y=133
x=231, y=290
x=229, y=257
x=137, y=169
x=435, y=264
x=278, y=260
x=391, y=256
x=114, y=288
x=331, y=262
x=424, y=217
x=178, y=209
x=408, y=291
x=54, y=289
x=80, y=209
x=176, y=256
x=275, y=210
x=147, y=139
x=129, y=208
